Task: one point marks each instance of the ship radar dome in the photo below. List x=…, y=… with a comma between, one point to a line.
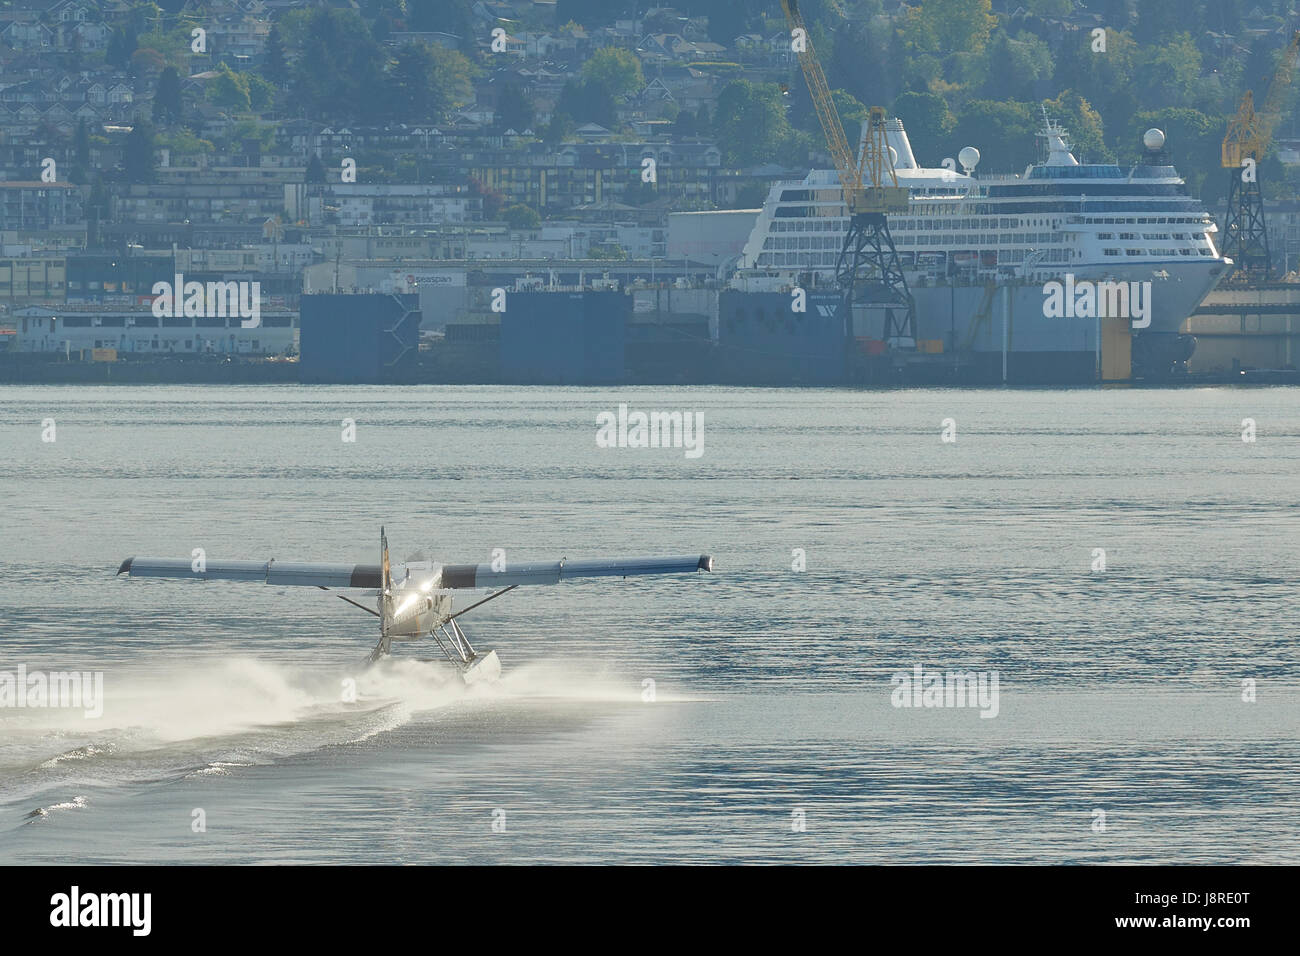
x=969, y=157
x=1153, y=139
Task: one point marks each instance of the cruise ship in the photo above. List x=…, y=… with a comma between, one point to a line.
x=980, y=252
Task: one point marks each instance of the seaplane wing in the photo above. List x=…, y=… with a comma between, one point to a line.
x=553, y=572
x=412, y=599
x=371, y=575
x=266, y=572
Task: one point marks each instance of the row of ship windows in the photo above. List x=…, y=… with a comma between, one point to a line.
x=827, y=224
x=1150, y=235
x=1158, y=252
x=903, y=239
x=144, y=345
x=907, y=259
x=818, y=223
x=838, y=226
x=1153, y=221
x=1016, y=238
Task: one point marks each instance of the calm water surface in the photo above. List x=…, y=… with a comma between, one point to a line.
x=1119, y=690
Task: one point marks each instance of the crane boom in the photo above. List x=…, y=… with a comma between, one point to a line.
x=850, y=176
x=1245, y=232
x=868, y=259
x=859, y=196
x=1279, y=88
x=1250, y=132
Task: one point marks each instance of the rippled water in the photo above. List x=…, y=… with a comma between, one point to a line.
x=1120, y=690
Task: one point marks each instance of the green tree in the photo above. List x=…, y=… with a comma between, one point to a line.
x=751, y=196
x=948, y=26
x=261, y=93
x=276, y=65
x=411, y=95
x=928, y=122
x=1193, y=140
x=425, y=82
x=859, y=60
x=81, y=145
x=686, y=124
x=80, y=155
x=1171, y=71
x=183, y=142
x=229, y=89
x=146, y=60
x=1049, y=8
x=1106, y=80
x=167, y=98
x=852, y=115
x=338, y=67
x=587, y=102
x=1017, y=67
x=616, y=69
x=315, y=169
x=121, y=44
x=453, y=78
x=560, y=127
x=1003, y=132
x=606, y=250
x=1157, y=20
x=248, y=134
x=1087, y=132
x=751, y=123
x=521, y=217
x=138, y=158
x=97, y=204
x=514, y=110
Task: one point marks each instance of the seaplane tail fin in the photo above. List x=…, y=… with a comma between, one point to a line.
x=385, y=593
x=383, y=560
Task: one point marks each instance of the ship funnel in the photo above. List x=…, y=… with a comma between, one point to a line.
x=896, y=136
x=900, y=148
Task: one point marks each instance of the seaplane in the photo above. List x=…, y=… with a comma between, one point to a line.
x=414, y=599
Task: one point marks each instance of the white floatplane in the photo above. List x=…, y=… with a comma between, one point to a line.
x=414, y=598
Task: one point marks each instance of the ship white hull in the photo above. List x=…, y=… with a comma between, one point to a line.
x=969, y=316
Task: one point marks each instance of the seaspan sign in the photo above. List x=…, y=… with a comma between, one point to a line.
x=437, y=279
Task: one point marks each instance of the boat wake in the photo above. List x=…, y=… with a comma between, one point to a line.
x=209, y=718
x=220, y=718
x=40, y=813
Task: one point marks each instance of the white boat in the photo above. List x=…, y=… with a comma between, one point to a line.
x=967, y=240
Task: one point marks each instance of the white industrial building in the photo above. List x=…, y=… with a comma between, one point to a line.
x=70, y=329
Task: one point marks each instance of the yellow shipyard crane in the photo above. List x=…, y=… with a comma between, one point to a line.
x=1245, y=237
x=868, y=268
